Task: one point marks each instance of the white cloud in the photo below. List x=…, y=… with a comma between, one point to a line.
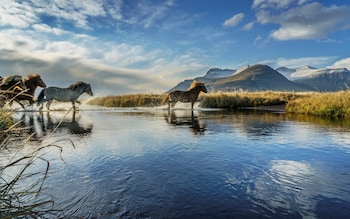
x=343, y=63
x=234, y=20
x=16, y=14
x=278, y=4
x=248, y=26
x=310, y=21
x=299, y=62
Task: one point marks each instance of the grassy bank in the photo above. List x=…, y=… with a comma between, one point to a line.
x=247, y=99
x=128, y=100
x=332, y=104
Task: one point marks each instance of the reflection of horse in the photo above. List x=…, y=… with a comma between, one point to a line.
x=191, y=95
x=10, y=86
x=183, y=118
x=69, y=94
x=44, y=123
x=72, y=124
x=32, y=81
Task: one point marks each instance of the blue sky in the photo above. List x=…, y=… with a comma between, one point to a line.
x=123, y=46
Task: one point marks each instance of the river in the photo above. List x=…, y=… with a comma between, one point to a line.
x=148, y=163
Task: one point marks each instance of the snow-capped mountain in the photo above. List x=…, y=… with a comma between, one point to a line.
x=219, y=73
x=321, y=79
x=308, y=72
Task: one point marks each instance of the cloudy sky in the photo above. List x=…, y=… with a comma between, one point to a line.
x=123, y=46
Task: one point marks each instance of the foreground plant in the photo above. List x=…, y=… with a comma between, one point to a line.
x=20, y=185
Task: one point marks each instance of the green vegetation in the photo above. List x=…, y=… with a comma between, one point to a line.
x=332, y=104
x=128, y=100
x=5, y=120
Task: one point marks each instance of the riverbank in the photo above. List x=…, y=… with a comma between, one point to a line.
x=329, y=104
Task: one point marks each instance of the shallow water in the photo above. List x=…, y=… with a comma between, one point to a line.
x=145, y=163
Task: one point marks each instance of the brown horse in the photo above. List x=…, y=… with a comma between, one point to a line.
x=32, y=81
x=191, y=95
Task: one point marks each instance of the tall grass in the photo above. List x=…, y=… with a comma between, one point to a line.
x=21, y=185
x=247, y=99
x=332, y=104
x=128, y=100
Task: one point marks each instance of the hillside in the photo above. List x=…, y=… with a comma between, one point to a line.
x=250, y=78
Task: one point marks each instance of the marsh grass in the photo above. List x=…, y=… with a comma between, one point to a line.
x=247, y=99
x=332, y=104
x=128, y=100
x=22, y=176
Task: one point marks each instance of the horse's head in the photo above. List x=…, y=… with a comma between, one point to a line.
x=82, y=86
x=198, y=85
x=36, y=80
x=88, y=89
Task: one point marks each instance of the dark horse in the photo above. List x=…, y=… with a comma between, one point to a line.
x=191, y=95
x=69, y=94
x=32, y=81
x=10, y=87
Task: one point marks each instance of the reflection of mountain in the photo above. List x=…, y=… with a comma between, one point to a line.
x=46, y=122
x=186, y=118
x=253, y=123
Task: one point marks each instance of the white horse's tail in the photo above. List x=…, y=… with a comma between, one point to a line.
x=40, y=97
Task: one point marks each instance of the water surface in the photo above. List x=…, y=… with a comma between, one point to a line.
x=146, y=163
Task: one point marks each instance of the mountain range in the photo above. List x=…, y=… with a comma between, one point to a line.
x=261, y=77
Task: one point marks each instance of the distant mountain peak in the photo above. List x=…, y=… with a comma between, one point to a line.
x=219, y=73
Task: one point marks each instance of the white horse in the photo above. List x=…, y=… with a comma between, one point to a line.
x=69, y=94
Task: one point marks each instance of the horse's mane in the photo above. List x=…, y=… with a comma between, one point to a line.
x=196, y=84
x=30, y=76
x=75, y=85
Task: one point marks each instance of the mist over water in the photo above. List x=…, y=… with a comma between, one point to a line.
x=146, y=163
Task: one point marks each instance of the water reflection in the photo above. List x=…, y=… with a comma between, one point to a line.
x=188, y=118
x=39, y=124
x=247, y=165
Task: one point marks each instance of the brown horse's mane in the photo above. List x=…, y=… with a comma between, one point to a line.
x=195, y=84
x=30, y=76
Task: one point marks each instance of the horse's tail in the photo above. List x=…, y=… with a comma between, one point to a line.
x=165, y=99
x=41, y=96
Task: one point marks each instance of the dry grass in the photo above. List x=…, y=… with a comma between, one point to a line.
x=128, y=100
x=247, y=99
x=20, y=186
x=332, y=104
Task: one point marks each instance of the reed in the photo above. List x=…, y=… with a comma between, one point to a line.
x=20, y=185
x=128, y=100
x=330, y=104
x=247, y=99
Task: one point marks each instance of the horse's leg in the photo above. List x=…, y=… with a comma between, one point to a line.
x=48, y=104
x=19, y=102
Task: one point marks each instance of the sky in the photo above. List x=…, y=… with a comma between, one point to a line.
x=148, y=46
